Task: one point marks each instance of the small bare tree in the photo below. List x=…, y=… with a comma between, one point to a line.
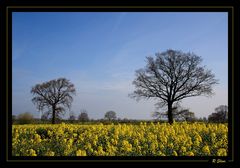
x=72, y=117
x=171, y=77
x=83, y=116
x=25, y=118
x=110, y=115
x=220, y=115
x=54, y=95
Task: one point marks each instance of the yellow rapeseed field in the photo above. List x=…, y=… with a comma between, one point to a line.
x=179, y=139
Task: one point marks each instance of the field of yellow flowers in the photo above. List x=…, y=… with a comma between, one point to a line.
x=179, y=139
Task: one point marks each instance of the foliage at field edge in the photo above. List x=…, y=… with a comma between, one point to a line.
x=179, y=139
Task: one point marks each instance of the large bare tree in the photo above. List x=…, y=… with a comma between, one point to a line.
x=171, y=77
x=54, y=95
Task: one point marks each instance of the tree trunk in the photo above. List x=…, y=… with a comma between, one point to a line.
x=53, y=114
x=170, y=115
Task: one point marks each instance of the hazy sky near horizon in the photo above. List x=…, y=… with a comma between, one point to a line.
x=100, y=51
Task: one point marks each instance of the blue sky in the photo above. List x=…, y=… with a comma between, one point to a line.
x=100, y=51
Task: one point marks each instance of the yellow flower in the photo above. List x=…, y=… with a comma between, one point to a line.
x=32, y=152
x=175, y=153
x=81, y=153
x=126, y=146
x=221, y=152
x=37, y=138
x=171, y=146
x=186, y=139
x=206, y=150
x=135, y=142
x=196, y=143
x=190, y=154
x=49, y=153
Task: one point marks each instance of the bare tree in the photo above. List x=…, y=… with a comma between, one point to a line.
x=25, y=118
x=72, y=117
x=171, y=77
x=220, y=115
x=223, y=111
x=83, y=116
x=54, y=95
x=110, y=115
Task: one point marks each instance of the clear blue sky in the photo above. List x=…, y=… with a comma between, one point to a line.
x=100, y=51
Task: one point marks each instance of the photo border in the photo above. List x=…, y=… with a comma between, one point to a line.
x=231, y=68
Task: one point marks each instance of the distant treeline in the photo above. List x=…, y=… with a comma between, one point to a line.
x=220, y=115
x=107, y=122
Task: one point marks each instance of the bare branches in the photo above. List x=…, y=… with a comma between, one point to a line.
x=173, y=76
x=56, y=94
